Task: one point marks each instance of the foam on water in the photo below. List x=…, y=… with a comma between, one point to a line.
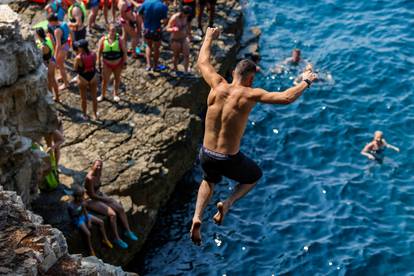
x=321, y=208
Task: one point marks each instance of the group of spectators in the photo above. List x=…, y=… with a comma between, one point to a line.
x=135, y=24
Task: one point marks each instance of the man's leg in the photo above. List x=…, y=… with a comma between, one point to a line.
x=204, y=195
x=223, y=207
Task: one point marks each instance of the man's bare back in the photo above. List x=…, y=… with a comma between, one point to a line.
x=229, y=106
x=226, y=118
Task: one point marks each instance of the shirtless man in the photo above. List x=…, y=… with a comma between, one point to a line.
x=374, y=149
x=229, y=105
x=178, y=27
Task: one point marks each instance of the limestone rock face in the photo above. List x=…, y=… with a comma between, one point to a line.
x=29, y=248
x=26, y=107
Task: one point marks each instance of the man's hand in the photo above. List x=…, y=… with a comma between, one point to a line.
x=308, y=73
x=213, y=33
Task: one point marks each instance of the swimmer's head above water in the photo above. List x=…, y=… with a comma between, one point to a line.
x=378, y=136
x=296, y=55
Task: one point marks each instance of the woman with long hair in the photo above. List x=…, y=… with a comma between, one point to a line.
x=45, y=44
x=112, y=52
x=85, y=65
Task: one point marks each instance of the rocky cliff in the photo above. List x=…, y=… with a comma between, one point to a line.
x=147, y=141
x=26, y=108
x=27, y=247
x=27, y=114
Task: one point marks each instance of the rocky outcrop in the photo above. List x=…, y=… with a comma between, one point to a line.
x=147, y=141
x=26, y=107
x=27, y=247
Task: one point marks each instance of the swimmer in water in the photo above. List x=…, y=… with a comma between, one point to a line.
x=374, y=149
x=229, y=106
x=294, y=60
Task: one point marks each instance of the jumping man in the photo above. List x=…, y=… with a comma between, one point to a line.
x=229, y=105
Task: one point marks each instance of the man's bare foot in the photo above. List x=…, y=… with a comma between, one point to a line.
x=195, y=232
x=221, y=212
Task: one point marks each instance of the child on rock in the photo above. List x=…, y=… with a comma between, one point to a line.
x=83, y=220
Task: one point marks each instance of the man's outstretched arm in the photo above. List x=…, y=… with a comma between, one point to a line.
x=207, y=70
x=288, y=96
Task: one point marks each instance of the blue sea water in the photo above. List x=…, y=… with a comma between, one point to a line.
x=321, y=208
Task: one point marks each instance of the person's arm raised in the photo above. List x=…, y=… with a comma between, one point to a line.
x=207, y=70
x=288, y=96
x=390, y=146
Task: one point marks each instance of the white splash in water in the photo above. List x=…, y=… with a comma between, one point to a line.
x=243, y=248
x=338, y=268
x=323, y=191
x=306, y=248
x=323, y=107
x=275, y=131
x=330, y=263
x=218, y=241
x=253, y=123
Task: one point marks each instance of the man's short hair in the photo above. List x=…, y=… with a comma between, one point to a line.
x=244, y=68
x=52, y=17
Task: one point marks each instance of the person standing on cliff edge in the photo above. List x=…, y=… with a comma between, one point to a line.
x=229, y=105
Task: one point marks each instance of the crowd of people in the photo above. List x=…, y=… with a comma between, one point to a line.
x=136, y=27
x=66, y=44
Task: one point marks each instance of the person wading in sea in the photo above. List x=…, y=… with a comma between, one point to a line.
x=229, y=105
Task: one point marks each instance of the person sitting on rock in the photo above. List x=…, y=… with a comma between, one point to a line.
x=83, y=220
x=112, y=52
x=375, y=148
x=54, y=140
x=178, y=27
x=85, y=65
x=103, y=204
x=45, y=45
x=59, y=33
x=153, y=13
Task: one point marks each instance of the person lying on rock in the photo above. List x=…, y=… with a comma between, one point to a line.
x=374, y=150
x=228, y=109
x=83, y=220
x=103, y=204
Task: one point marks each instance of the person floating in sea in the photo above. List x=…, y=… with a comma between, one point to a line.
x=375, y=148
x=83, y=220
x=229, y=105
x=294, y=60
x=103, y=204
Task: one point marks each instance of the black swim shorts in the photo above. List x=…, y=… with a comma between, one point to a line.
x=152, y=35
x=237, y=167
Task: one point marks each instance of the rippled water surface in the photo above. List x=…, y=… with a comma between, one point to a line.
x=321, y=208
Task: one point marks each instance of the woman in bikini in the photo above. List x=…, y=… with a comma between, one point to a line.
x=85, y=65
x=101, y=203
x=178, y=27
x=131, y=24
x=113, y=54
x=45, y=44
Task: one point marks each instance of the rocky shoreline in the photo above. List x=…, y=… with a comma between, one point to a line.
x=148, y=141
